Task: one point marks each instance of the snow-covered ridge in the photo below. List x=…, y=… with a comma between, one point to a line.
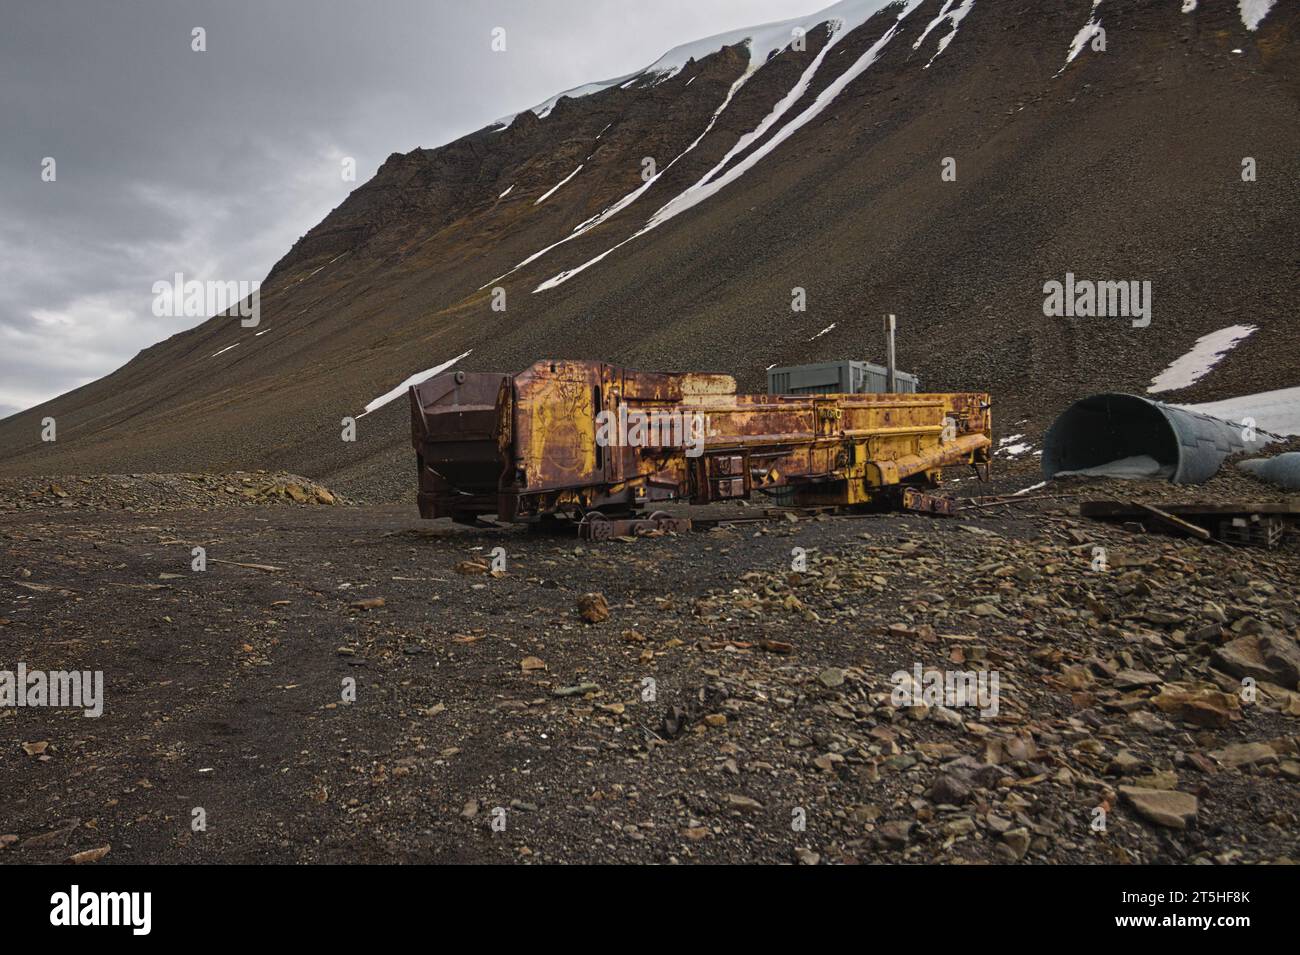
x=762, y=41
x=769, y=38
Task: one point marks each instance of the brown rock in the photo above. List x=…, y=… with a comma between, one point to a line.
x=89, y=855
x=1271, y=657
x=1200, y=703
x=1238, y=755
x=1017, y=841
x=593, y=608
x=1134, y=679
x=831, y=677
x=896, y=832
x=1158, y=780
x=1163, y=807
x=949, y=789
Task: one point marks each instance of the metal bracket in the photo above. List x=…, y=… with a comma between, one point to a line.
x=914, y=500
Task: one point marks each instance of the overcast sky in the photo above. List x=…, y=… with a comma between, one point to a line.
x=213, y=163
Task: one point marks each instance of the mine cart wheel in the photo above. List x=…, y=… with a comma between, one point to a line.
x=601, y=528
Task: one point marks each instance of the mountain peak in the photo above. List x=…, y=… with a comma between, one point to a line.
x=663, y=220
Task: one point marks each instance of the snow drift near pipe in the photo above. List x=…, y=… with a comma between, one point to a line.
x=1111, y=427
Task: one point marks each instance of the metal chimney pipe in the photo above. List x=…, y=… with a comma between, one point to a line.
x=891, y=382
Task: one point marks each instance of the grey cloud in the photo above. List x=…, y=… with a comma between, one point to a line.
x=213, y=163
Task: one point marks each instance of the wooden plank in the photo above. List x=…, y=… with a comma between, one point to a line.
x=1175, y=522
x=1227, y=509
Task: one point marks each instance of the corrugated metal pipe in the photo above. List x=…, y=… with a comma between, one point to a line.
x=1112, y=427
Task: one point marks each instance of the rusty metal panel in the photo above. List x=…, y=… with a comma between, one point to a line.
x=554, y=424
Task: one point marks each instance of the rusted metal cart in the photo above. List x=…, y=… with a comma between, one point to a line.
x=555, y=441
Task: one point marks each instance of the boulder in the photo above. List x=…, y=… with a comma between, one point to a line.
x=1270, y=657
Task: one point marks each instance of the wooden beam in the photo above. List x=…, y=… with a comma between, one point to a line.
x=1113, y=508
x=1177, y=523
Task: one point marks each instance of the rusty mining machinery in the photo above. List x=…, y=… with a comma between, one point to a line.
x=530, y=447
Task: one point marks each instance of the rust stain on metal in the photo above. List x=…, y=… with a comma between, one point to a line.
x=524, y=447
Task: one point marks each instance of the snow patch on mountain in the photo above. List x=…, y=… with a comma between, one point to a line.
x=707, y=187
x=1197, y=363
x=549, y=192
x=415, y=379
x=1086, y=33
x=586, y=226
x=1253, y=12
x=953, y=17
x=795, y=93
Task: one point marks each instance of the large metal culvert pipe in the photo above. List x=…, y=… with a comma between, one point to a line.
x=1111, y=427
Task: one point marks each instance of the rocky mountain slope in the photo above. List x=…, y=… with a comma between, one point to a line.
x=771, y=168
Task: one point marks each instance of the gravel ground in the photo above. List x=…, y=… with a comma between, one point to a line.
x=156, y=492
x=742, y=700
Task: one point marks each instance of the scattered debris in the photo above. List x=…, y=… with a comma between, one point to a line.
x=1258, y=523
